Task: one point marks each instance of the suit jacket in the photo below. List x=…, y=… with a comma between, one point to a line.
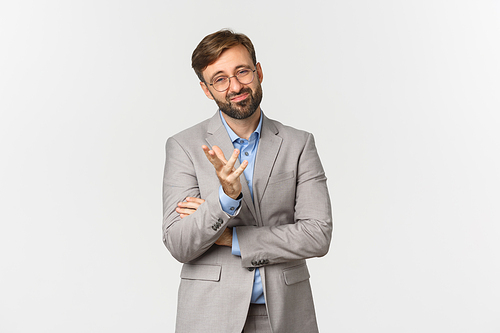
x=288, y=220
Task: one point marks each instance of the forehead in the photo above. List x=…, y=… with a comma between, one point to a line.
x=228, y=61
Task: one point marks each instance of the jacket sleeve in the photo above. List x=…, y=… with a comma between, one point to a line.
x=309, y=231
x=190, y=237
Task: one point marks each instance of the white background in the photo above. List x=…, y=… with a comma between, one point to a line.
x=403, y=100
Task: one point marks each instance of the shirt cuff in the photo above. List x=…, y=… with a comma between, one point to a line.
x=235, y=248
x=228, y=204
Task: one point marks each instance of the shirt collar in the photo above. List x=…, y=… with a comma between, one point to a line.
x=233, y=136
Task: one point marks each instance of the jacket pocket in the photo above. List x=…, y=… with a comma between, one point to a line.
x=282, y=176
x=296, y=274
x=201, y=272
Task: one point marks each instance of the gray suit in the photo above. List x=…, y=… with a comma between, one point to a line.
x=288, y=221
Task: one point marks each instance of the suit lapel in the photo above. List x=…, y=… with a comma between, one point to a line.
x=217, y=136
x=269, y=146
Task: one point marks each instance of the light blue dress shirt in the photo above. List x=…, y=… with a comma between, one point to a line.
x=248, y=151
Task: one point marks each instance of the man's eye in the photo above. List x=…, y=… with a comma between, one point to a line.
x=243, y=72
x=219, y=79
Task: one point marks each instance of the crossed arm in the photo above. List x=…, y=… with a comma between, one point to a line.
x=188, y=235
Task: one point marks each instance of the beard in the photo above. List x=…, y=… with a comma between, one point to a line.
x=242, y=109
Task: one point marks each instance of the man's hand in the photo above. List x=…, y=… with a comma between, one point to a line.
x=229, y=177
x=226, y=239
x=189, y=206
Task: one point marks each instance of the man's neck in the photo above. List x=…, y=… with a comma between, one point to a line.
x=243, y=128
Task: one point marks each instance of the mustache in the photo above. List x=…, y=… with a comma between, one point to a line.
x=242, y=91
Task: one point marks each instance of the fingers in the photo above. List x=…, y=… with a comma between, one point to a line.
x=212, y=157
x=216, y=157
x=194, y=199
x=183, y=212
x=232, y=160
x=191, y=202
x=237, y=173
x=229, y=165
x=188, y=207
x=229, y=177
x=219, y=154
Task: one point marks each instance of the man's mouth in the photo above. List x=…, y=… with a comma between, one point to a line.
x=239, y=98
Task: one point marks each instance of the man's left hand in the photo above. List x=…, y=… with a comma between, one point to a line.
x=188, y=207
x=226, y=239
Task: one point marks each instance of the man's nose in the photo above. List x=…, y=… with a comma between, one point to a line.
x=234, y=85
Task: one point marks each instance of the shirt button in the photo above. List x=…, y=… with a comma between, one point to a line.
x=232, y=208
x=241, y=141
x=246, y=153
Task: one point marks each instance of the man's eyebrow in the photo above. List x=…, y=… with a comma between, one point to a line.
x=212, y=78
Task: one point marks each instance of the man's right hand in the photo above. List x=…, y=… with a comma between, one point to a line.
x=229, y=177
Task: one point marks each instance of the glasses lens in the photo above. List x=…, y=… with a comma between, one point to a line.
x=244, y=76
x=221, y=84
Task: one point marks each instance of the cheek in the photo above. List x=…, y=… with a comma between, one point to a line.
x=215, y=96
x=221, y=99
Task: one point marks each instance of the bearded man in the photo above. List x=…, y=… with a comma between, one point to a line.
x=245, y=203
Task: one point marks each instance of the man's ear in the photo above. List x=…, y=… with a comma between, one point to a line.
x=205, y=90
x=260, y=74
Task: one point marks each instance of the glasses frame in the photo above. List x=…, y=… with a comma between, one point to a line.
x=229, y=81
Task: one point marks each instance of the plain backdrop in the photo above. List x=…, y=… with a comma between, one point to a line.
x=403, y=100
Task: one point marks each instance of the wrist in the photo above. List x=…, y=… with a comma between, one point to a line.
x=235, y=196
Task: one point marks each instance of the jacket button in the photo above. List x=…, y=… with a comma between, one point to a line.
x=250, y=268
x=220, y=220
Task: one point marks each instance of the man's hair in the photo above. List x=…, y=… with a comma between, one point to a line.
x=212, y=46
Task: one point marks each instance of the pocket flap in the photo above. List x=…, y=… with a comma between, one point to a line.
x=282, y=176
x=201, y=272
x=296, y=274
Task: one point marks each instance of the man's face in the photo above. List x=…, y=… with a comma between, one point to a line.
x=239, y=101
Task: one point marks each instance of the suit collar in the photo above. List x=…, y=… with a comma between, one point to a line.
x=214, y=123
x=269, y=146
x=233, y=136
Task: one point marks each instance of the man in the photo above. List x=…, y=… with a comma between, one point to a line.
x=245, y=202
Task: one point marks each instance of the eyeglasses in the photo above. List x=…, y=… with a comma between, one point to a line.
x=244, y=76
